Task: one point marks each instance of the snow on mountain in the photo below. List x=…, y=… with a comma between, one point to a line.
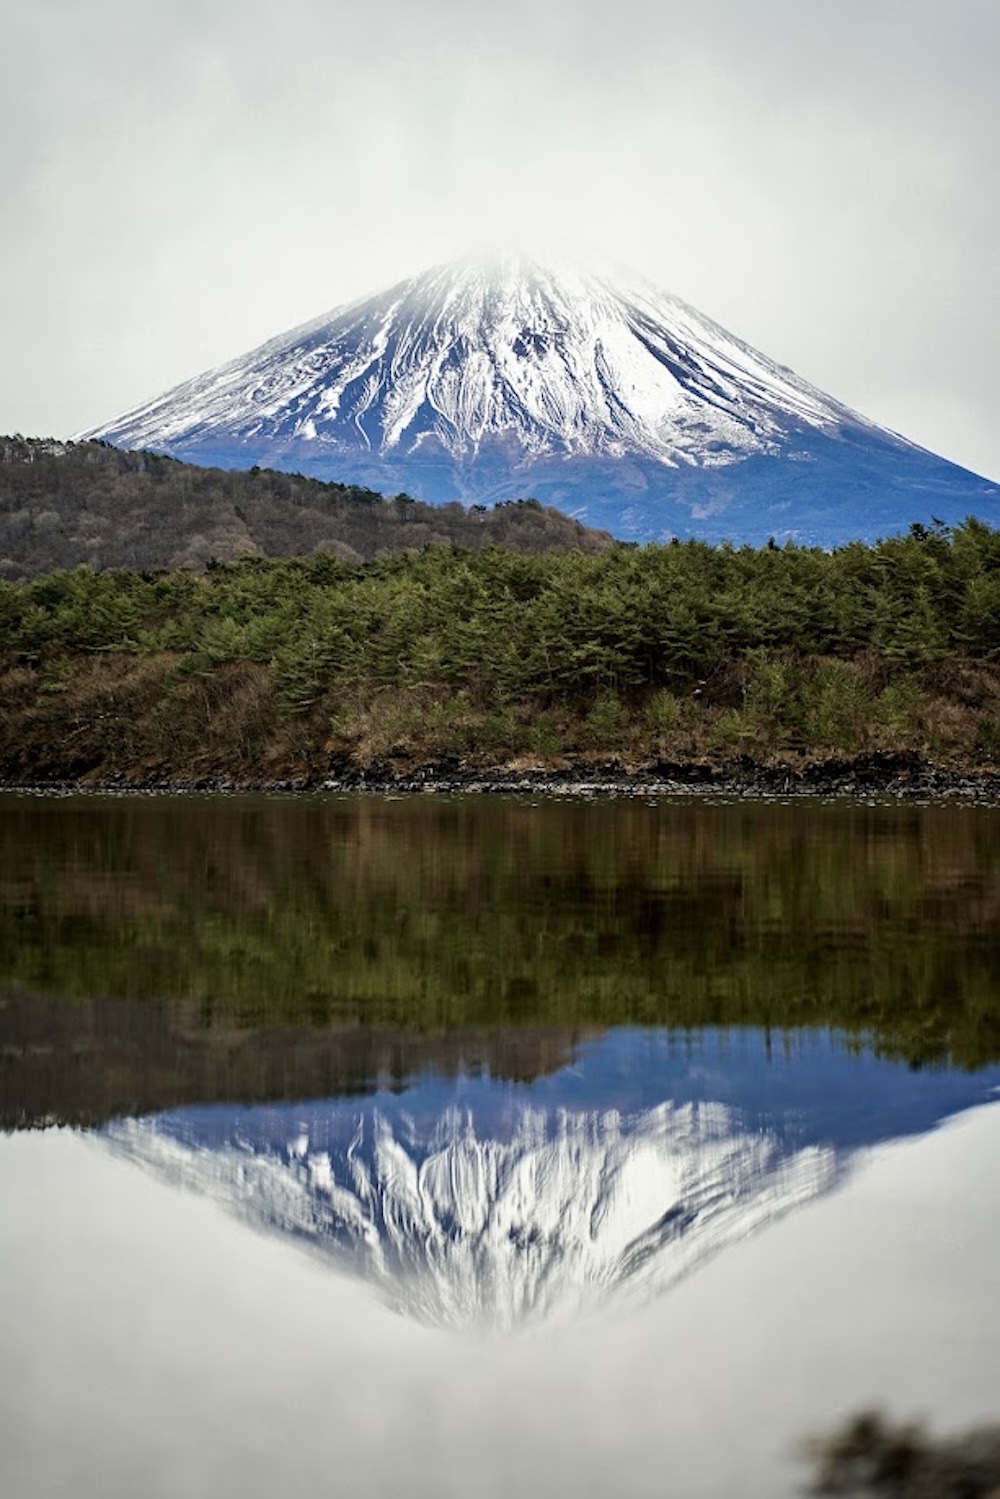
x=494, y=379
x=567, y=1211
x=568, y=362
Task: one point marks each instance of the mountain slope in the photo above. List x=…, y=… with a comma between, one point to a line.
x=489, y=380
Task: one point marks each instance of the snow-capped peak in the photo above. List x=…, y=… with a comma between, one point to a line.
x=506, y=376
x=558, y=359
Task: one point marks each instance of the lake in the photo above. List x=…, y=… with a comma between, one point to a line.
x=469, y=1146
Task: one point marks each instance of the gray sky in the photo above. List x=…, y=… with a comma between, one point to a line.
x=185, y=178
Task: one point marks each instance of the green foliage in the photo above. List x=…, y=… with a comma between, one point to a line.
x=663, y=712
x=635, y=649
x=838, y=710
x=987, y=740
x=606, y=724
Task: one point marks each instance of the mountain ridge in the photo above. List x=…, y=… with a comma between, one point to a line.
x=63, y=504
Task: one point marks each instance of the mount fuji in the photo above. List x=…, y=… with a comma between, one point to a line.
x=475, y=1201
x=502, y=378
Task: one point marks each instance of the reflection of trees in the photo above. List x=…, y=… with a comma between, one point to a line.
x=438, y=916
x=870, y=1455
x=87, y=1060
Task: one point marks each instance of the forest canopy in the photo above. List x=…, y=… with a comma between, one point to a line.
x=680, y=650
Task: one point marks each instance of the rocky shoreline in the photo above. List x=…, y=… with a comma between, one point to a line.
x=885, y=776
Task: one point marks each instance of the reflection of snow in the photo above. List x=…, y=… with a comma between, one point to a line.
x=567, y=1211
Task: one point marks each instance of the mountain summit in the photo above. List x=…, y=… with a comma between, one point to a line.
x=501, y=378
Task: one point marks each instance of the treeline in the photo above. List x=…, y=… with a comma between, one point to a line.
x=66, y=503
x=677, y=651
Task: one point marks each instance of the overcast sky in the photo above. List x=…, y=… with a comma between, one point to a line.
x=185, y=178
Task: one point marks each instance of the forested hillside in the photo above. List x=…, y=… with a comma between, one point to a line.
x=66, y=503
x=682, y=653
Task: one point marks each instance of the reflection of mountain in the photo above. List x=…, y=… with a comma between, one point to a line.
x=489, y=1203
x=454, y=1228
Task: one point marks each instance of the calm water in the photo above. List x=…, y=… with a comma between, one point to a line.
x=469, y=1147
